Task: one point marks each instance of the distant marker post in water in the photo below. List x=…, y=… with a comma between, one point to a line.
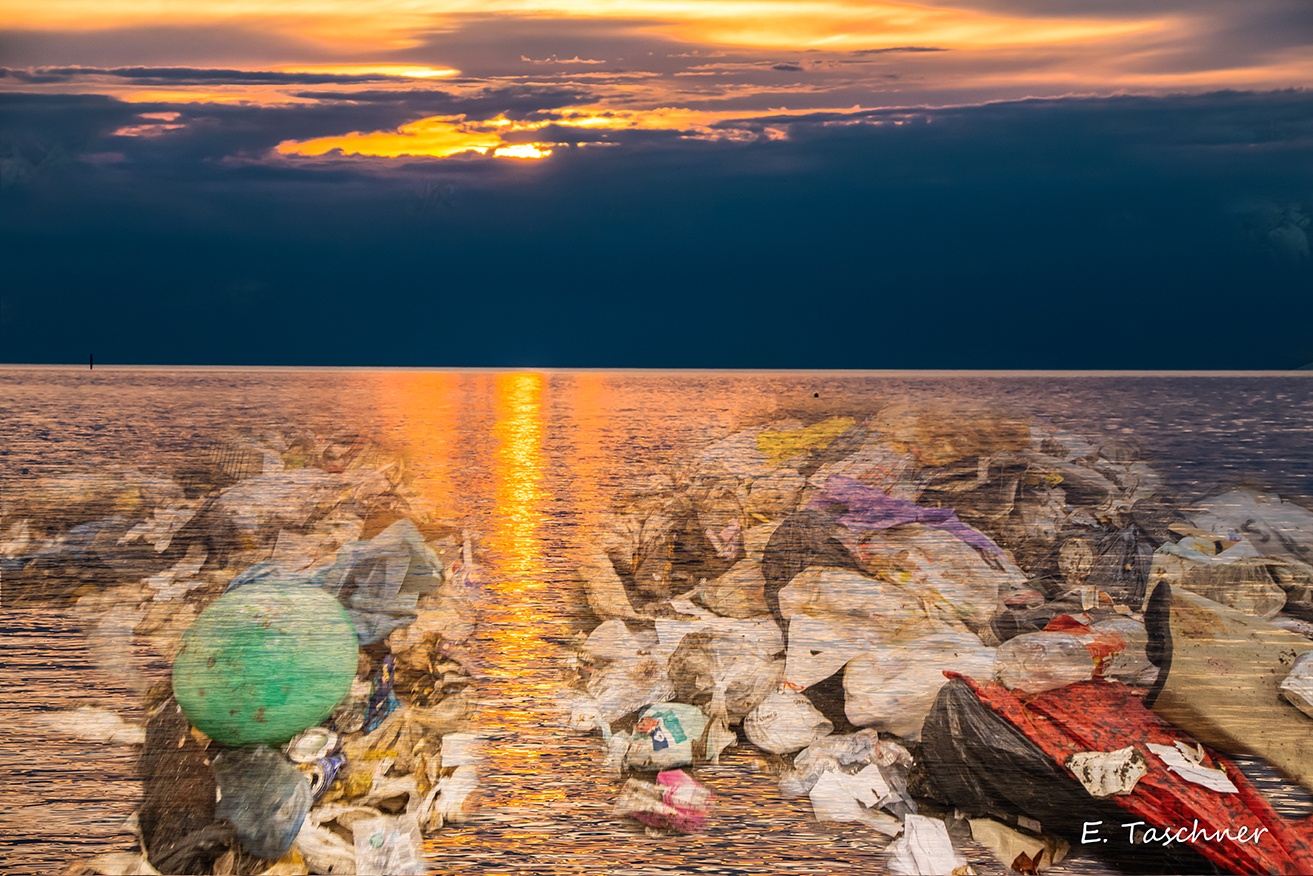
x=92, y=362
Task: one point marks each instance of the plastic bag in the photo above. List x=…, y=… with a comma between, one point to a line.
x=975, y=759
x=852, y=750
x=1271, y=525
x=803, y=539
x=871, y=509
x=630, y=684
x=924, y=849
x=775, y=494
x=781, y=445
x=379, y=582
x=676, y=802
x=946, y=571
x=722, y=674
x=614, y=641
x=894, y=688
x=818, y=648
x=784, y=722
x=838, y=796
x=1065, y=652
x=1237, y=575
x=740, y=592
x=258, y=507
x=760, y=635
x=264, y=796
x=938, y=437
x=667, y=736
x=1121, y=568
x=863, y=608
x=388, y=847
x=607, y=596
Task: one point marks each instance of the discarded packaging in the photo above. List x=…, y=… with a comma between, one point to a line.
x=785, y=722
x=312, y=744
x=676, y=802
x=1297, y=687
x=721, y=674
x=629, y=684
x=93, y=725
x=1188, y=764
x=893, y=689
x=1104, y=773
x=388, y=847
x=1016, y=850
x=264, y=796
x=838, y=796
x=924, y=849
x=666, y=736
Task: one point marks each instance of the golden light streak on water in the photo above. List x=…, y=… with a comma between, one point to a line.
x=525, y=691
x=518, y=476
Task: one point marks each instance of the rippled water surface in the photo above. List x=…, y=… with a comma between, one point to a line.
x=530, y=461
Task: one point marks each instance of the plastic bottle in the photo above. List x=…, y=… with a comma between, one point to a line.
x=1036, y=662
x=1131, y=664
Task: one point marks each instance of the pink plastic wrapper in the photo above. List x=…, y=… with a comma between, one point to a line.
x=676, y=802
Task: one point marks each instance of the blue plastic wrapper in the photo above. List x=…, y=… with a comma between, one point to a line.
x=382, y=701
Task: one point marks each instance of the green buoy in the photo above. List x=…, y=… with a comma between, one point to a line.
x=265, y=662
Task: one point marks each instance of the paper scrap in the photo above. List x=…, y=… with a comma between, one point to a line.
x=1297, y=687
x=868, y=786
x=833, y=800
x=1188, y=767
x=925, y=849
x=1108, y=773
x=1014, y=848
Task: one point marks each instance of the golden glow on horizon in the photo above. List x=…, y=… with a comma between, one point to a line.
x=265, y=95
x=408, y=70
x=522, y=150
x=444, y=136
x=438, y=137
x=144, y=130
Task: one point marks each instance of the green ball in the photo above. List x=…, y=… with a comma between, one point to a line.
x=264, y=662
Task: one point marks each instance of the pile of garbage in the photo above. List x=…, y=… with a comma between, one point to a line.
x=816, y=587
x=318, y=712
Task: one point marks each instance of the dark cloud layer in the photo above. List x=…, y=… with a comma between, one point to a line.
x=1127, y=232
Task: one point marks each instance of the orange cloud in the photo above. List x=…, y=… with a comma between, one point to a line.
x=435, y=137
x=390, y=24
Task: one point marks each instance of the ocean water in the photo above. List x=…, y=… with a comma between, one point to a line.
x=530, y=461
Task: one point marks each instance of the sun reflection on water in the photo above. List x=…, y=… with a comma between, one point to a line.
x=525, y=688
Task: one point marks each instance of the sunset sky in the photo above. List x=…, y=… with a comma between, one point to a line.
x=658, y=183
